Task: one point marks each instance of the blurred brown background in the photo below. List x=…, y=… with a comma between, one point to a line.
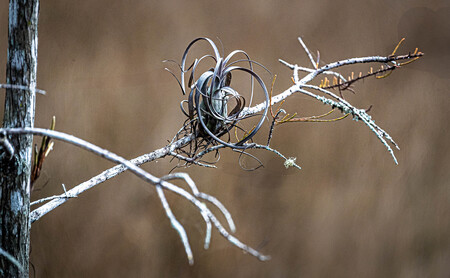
x=350, y=212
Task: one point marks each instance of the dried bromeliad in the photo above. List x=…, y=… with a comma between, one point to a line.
x=213, y=106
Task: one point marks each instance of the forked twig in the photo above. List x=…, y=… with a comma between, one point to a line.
x=300, y=85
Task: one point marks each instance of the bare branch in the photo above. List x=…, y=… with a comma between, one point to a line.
x=191, y=161
x=65, y=195
x=203, y=196
x=11, y=259
x=54, y=197
x=323, y=70
x=21, y=87
x=106, y=175
x=189, y=134
x=175, y=224
x=391, y=62
x=4, y=142
x=308, y=52
x=205, y=212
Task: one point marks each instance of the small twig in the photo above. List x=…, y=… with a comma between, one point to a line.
x=203, y=196
x=190, y=160
x=272, y=125
x=308, y=52
x=66, y=195
x=21, y=87
x=346, y=108
x=11, y=259
x=175, y=224
x=292, y=161
x=6, y=144
x=298, y=68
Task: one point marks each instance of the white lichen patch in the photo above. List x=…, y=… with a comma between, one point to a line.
x=290, y=162
x=18, y=59
x=16, y=202
x=15, y=229
x=13, y=9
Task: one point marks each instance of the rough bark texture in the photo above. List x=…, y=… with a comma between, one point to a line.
x=19, y=112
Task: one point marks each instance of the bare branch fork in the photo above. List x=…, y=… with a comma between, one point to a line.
x=302, y=86
x=195, y=197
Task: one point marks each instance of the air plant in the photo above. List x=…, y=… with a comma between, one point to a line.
x=213, y=106
x=211, y=115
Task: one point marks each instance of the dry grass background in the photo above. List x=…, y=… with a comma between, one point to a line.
x=349, y=213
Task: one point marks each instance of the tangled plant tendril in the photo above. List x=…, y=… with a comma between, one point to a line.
x=213, y=106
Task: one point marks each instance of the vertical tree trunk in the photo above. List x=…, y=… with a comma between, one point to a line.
x=19, y=112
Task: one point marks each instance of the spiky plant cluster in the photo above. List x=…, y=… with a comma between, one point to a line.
x=213, y=106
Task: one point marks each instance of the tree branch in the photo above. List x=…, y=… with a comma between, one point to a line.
x=300, y=86
x=161, y=183
x=106, y=175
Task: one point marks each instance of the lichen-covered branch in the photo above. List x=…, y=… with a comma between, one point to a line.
x=327, y=97
x=195, y=197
